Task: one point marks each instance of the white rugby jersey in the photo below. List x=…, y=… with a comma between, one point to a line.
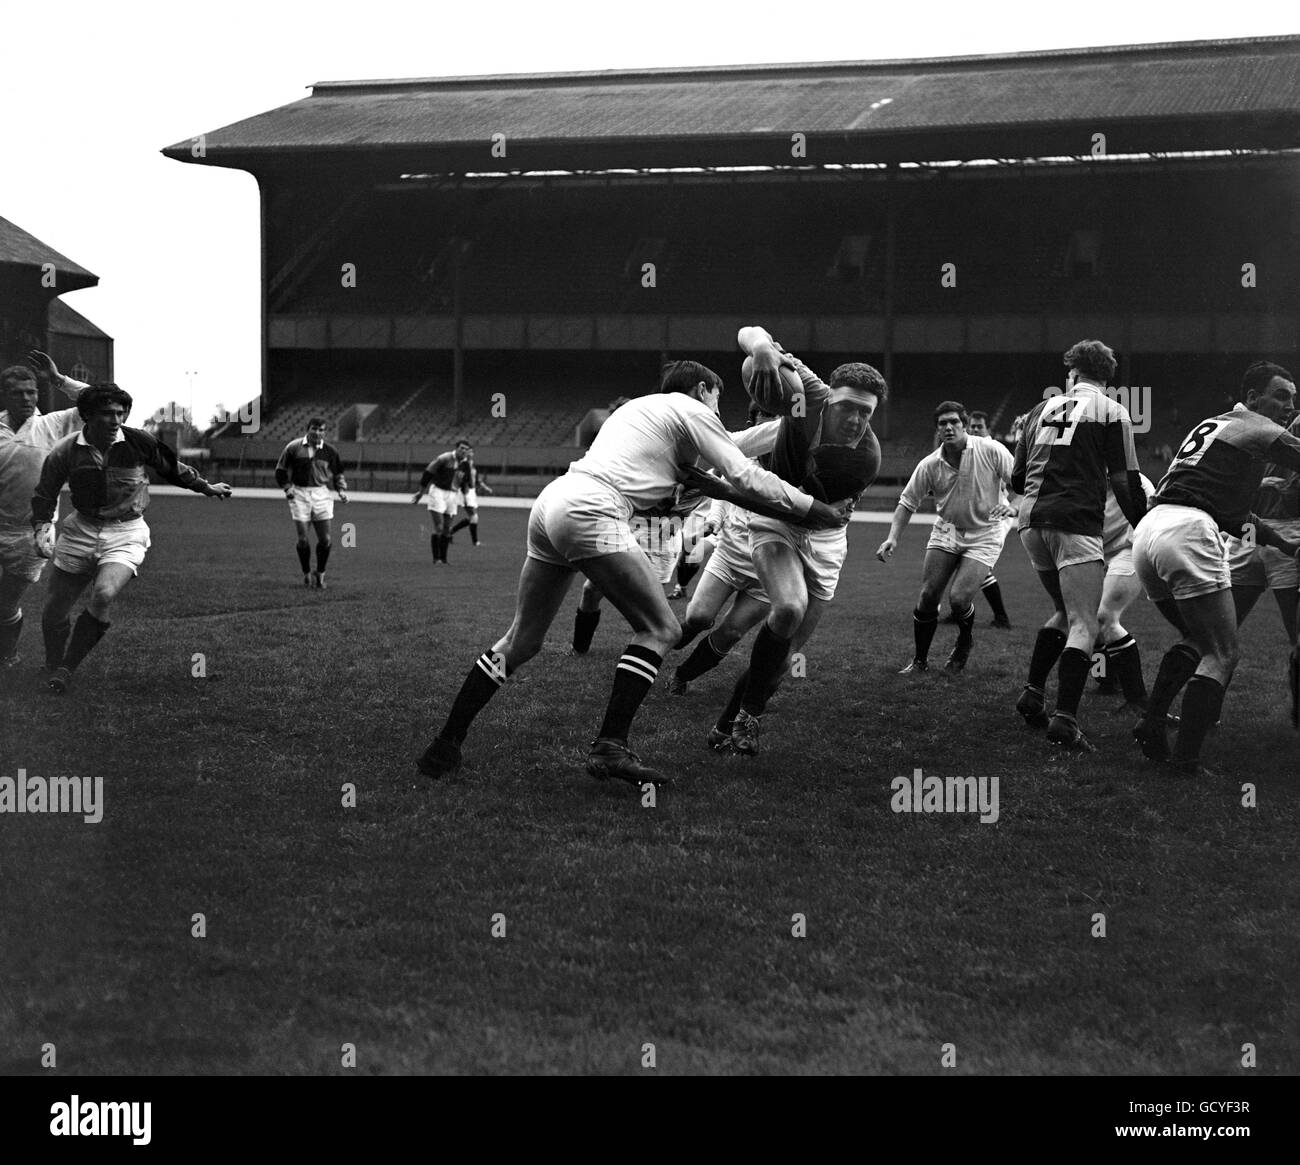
x=639, y=447
x=22, y=454
x=964, y=496
x=1117, y=534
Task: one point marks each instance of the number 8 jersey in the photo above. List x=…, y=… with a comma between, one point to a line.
x=1220, y=464
x=1070, y=445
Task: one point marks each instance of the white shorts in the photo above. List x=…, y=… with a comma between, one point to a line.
x=18, y=557
x=1121, y=563
x=823, y=551
x=1265, y=566
x=576, y=517
x=983, y=545
x=1180, y=552
x=1050, y=549
x=732, y=565
x=661, y=539
x=84, y=545
x=311, y=503
x=442, y=501
x=469, y=499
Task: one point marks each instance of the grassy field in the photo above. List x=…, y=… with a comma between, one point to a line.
x=624, y=925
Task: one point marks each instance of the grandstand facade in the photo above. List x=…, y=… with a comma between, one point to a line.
x=497, y=257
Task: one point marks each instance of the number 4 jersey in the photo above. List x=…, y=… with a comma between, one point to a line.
x=1070, y=445
x=1220, y=464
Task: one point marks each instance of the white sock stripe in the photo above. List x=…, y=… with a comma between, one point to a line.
x=491, y=669
x=639, y=667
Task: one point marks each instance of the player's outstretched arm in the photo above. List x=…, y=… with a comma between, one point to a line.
x=47, y=372
x=216, y=489
x=902, y=515
x=1132, y=499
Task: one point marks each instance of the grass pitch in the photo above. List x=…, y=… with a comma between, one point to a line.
x=624, y=926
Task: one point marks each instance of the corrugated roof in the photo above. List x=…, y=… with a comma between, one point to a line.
x=1256, y=78
x=22, y=249
x=67, y=321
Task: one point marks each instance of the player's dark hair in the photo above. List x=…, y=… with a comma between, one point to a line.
x=1256, y=379
x=461, y=441
x=94, y=397
x=316, y=421
x=15, y=373
x=1093, y=359
x=684, y=375
x=978, y=413
x=952, y=406
x=862, y=377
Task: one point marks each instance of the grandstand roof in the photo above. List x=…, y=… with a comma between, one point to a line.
x=67, y=321
x=19, y=248
x=1194, y=95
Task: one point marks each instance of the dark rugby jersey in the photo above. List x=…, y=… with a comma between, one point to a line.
x=308, y=465
x=1279, y=496
x=108, y=485
x=467, y=476
x=1070, y=446
x=441, y=471
x=1220, y=464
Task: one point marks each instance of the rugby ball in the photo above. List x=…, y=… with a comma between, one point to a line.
x=792, y=388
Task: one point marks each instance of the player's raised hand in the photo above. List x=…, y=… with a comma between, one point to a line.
x=885, y=551
x=219, y=489
x=45, y=368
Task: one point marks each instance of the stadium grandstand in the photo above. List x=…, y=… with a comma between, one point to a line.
x=32, y=277
x=499, y=257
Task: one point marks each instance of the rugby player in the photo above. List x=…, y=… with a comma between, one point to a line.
x=104, y=540
x=1120, y=588
x=468, y=482
x=306, y=471
x=967, y=476
x=438, y=487
x=1069, y=446
x=824, y=443
x=1179, y=553
x=26, y=437
x=581, y=523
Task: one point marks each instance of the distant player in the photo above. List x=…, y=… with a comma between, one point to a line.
x=26, y=437
x=307, y=470
x=990, y=588
x=582, y=522
x=967, y=476
x=104, y=540
x=438, y=489
x=825, y=445
x=1070, y=446
x=468, y=483
x=1179, y=552
x=1120, y=588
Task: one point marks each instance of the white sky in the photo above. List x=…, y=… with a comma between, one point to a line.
x=90, y=92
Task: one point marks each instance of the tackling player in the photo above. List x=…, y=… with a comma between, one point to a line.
x=581, y=523
x=438, y=486
x=1179, y=552
x=105, y=538
x=825, y=444
x=306, y=471
x=26, y=437
x=1120, y=588
x=967, y=476
x=1069, y=445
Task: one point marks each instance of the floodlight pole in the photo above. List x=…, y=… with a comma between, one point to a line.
x=458, y=336
x=891, y=223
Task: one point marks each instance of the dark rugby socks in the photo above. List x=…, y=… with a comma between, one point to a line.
x=56, y=639
x=1124, y=662
x=766, y=663
x=322, y=556
x=485, y=677
x=304, y=557
x=993, y=592
x=584, y=627
x=85, y=634
x=923, y=628
x=1177, y=667
x=1201, y=708
x=704, y=658
x=1047, y=650
x=1072, y=677
x=965, y=627
x=633, y=678
x=9, y=632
